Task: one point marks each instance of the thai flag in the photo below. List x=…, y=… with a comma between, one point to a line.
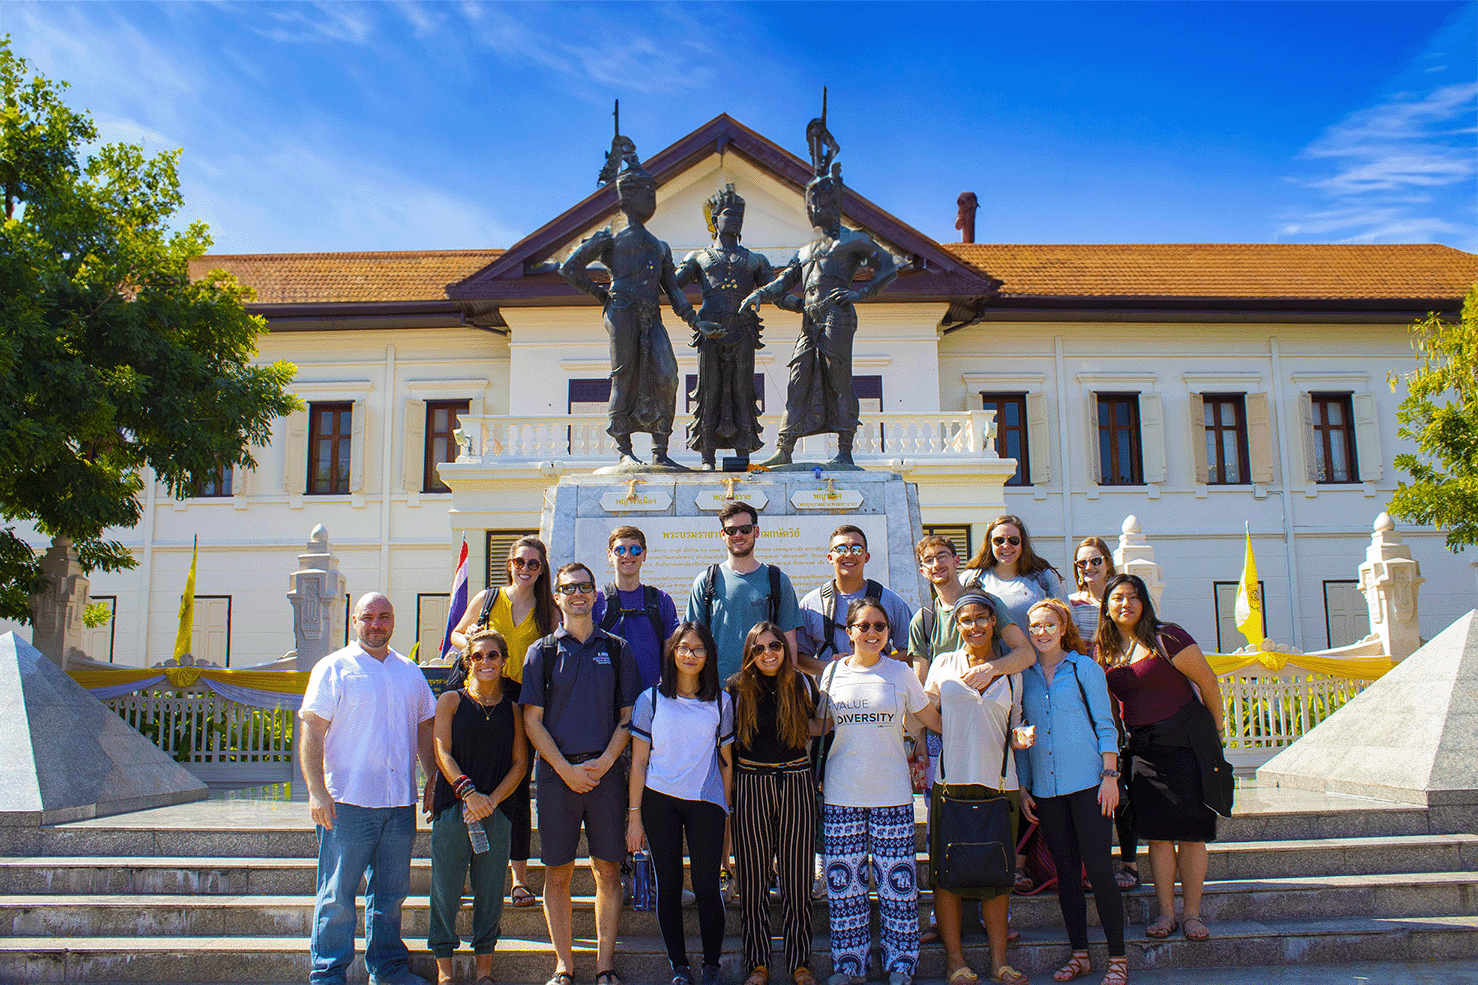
x=458, y=602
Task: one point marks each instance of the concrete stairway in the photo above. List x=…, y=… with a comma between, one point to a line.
x=184, y=900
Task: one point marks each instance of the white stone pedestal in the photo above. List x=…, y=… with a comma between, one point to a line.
x=317, y=596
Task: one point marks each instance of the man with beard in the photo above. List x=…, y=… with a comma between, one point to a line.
x=729, y=598
x=724, y=412
x=367, y=716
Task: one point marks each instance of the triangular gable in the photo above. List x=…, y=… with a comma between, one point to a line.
x=521, y=273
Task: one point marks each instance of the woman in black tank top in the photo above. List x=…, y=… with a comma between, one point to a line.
x=482, y=756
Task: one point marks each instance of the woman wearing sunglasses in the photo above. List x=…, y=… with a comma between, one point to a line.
x=869, y=800
x=1093, y=566
x=523, y=612
x=681, y=771
x=774, y=800
x=482, y=756
x=1008, y=568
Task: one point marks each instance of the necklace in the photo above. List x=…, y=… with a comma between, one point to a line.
x=486, y=708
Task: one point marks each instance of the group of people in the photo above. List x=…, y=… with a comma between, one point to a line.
x=781, y=742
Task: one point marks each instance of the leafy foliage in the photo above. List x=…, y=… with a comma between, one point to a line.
x=111, y=359
x=1440, y=413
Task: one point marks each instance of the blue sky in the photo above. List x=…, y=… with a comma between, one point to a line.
x=345, y=126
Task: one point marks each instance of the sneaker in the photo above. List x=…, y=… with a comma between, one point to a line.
x=688, y=898
x=682, y=976
x=726, y=888
x=818, y=889
x=710, y=974
x=899, y=978
x=842, y=978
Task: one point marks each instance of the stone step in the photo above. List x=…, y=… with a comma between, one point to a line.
x=291, y=876
x=1323, y=897
x=642, y=959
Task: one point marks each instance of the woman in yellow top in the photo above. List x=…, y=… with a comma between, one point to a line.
x=523, y=611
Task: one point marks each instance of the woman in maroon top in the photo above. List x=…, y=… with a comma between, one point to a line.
x=1150, y=666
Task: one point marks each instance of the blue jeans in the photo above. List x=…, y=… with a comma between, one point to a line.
x=365, y=842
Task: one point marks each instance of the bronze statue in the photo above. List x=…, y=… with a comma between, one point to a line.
x=820, y=398
x=724, y=415
x=643, y=368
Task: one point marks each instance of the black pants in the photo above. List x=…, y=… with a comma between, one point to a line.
x=1079, y=837
x=772, y=829
x=666, y=819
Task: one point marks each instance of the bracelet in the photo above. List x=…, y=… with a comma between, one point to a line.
x=633, y=808
x=1110, y=774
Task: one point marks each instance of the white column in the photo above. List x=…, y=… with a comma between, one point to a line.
x=316, y=595
x=1135, y=556
x=1390, y=579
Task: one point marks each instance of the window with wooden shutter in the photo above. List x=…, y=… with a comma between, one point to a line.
x=1012, y=434
x=295, y=454
x=331, y=442
x=443, y=417
x=1224, y=432
x=1367, y=437
x=1333, y=430
x=500, y=542
x=1262, y=456
x=412, y=446
x=1120, y=454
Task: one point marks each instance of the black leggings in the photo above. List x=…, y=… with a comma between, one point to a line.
x=666, y=819
x=1078, y=836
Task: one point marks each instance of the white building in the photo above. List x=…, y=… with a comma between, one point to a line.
x=1199, y=387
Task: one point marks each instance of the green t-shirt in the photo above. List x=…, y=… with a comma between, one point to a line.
x=946, y=635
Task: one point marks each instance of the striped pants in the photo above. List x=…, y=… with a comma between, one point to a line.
x=772, y=825
x=887, y=834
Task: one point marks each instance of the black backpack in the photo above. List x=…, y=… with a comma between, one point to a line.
x=710, y=585
x=549, y=653
x=873, y=593
x=651, y=605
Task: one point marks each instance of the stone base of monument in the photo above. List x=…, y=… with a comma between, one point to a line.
x=678, y=513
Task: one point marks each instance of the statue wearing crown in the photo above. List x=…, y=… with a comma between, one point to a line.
x=820, y=398
x=724, y=408
x=643, y=368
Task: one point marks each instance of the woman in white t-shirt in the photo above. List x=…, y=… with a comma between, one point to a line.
x=977, y=707
x=681, y=771
x=869, y=800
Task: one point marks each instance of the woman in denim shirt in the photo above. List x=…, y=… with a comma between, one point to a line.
x=1069, y=781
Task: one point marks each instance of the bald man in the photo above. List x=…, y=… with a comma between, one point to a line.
x=366, y=718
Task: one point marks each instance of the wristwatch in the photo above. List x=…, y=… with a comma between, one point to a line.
x=1109, y=774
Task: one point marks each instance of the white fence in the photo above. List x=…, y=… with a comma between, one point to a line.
x=224, y=743
x=1266, y=711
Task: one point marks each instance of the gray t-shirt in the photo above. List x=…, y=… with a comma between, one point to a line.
x=740, y=601
x=811, y=638
x=581, y=708
x=1019, y=594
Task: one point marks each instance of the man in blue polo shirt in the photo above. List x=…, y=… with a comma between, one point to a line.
x=579, y=685
x=642, y=615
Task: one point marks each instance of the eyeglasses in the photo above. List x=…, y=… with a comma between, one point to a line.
x=774, y=646
x=934, y=560
x=740, y=528
x=683, y=650
x=570, y=588
x=1092, y=562
x=1013, y=541
x=870, y=627
x=494, y=655
x=842, y=550
x=533, y=563
x=621, y=550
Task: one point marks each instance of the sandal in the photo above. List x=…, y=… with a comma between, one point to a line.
x=522, y=896
x=1127, y=878
x=560, y=978
x=962, y=976
x=929, y=934
x=1079, y=966
x=1162, y=928
x=803, y=976
x=1024, y=884
x=759, y=976
x=1118, y=972
x=1196, y=929
x=1009, y=976
x=607, y=977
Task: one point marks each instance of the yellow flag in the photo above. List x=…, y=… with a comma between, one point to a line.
x=1249, y=599
x=187, y=609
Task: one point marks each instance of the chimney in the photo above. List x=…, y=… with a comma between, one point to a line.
x=965, y=220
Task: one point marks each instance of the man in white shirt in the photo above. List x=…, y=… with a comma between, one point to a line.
x=367, y=717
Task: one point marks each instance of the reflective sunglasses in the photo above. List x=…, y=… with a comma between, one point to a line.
x=533, y=563
x=741, y=528
x=1013, y=541
x=570, y=588
x=842, y=550
x=774, y=646
x=1092, y=562
x=684, y=650
x=621, y=550
x=870, y=627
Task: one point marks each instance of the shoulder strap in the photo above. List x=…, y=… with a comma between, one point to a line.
x=1084, y=692
x=874, y=591
x=930, y=612
x=548, y=653
x=1006, y=748
x=774, y=594
x=488, y=601
x=709, y=587
x=653, y=601
x=828, y=618
x=612, y=615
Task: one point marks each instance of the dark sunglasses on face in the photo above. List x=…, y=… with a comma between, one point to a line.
x=1013, y=541
x=870, y=627
x=494, y=655
x=570, y=588
x=740, y=528
x=621, y=550
x=842, y=550
x=1092, y=562
x=533, y=563
x=774, y=646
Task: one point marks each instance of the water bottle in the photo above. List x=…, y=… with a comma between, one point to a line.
x=475, y=831
x=641, y=878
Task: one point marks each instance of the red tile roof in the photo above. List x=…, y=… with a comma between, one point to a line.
x=1225, y=270
x=324, y=278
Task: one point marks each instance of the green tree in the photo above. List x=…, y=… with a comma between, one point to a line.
x=111, y=359
x=1440, y=413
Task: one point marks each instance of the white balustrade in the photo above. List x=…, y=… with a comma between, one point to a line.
x=220, y=741
x=1267, y=711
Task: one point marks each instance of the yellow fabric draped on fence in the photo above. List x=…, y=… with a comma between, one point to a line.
x=271, y=681
x=1360, y=668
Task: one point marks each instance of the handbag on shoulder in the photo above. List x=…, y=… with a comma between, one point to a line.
x=978, y=836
